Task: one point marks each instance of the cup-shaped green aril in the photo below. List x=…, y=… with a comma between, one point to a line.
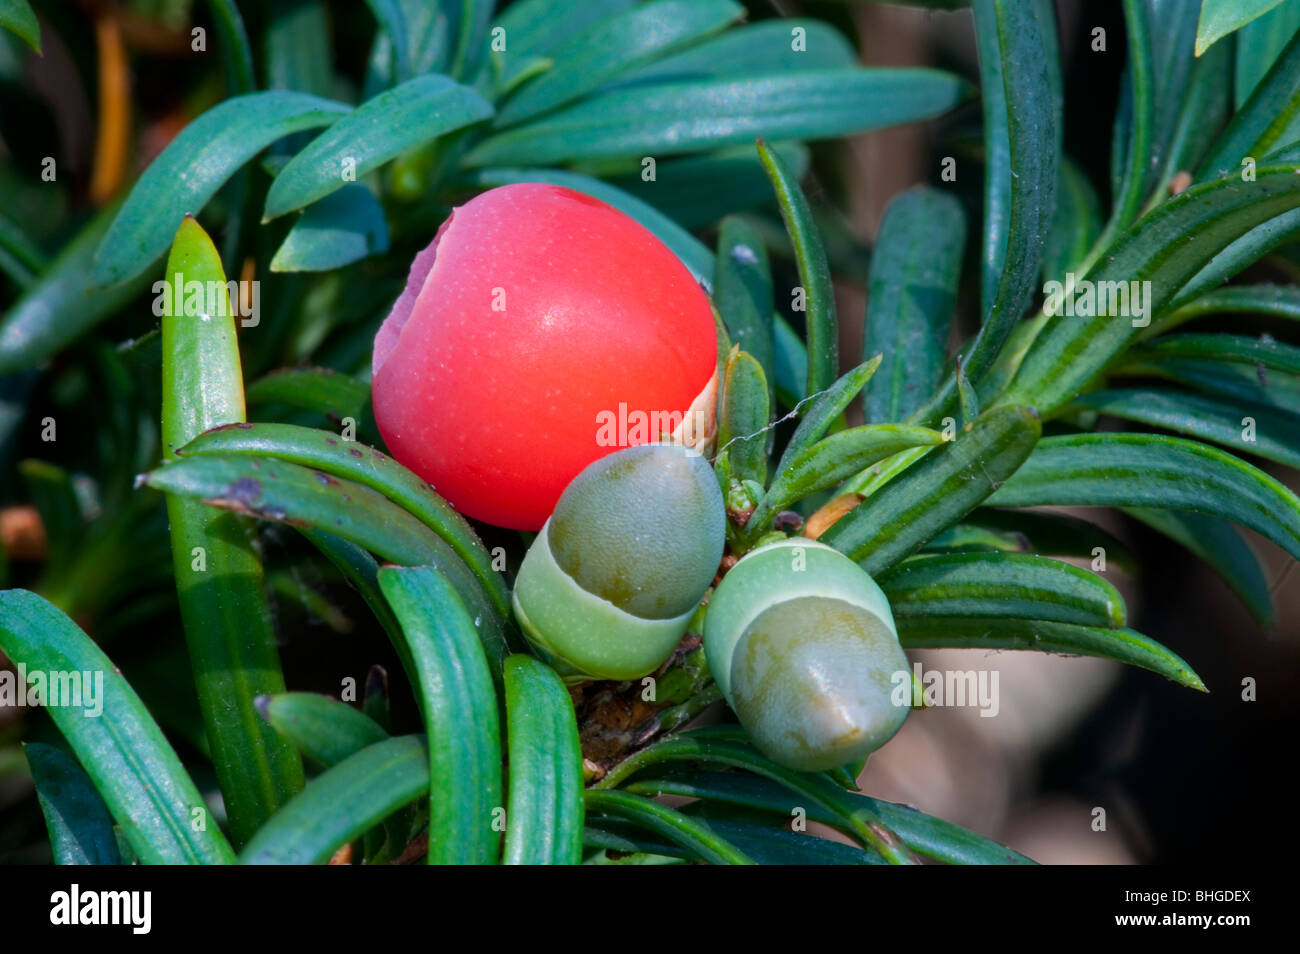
x=803, y=645
x=609, y=585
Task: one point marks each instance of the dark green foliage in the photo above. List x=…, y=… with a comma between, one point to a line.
x=319, y=180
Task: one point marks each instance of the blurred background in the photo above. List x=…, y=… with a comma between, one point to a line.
x=1182, y=776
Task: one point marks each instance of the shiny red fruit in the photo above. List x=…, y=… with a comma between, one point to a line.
x=541, y=330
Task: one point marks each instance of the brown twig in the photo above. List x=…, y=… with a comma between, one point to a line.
x=616, y=719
